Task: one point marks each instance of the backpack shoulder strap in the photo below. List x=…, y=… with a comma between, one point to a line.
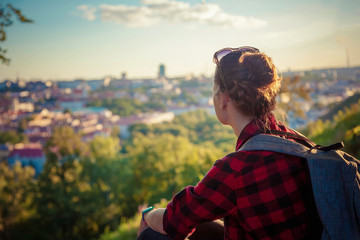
x=265, y=142
x=276, y=143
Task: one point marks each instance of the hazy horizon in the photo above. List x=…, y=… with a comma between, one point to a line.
x=23, y=78
x=91, y=39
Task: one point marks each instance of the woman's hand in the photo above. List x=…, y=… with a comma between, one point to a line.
x=142, y=226
x=154, y=219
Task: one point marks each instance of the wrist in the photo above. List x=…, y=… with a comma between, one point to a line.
x=145, y=211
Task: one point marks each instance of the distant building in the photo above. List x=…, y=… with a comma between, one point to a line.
x=161, y=71
x=124, y=76
x=42, y=119
x=71, y=104
x=28, y=155
x=17, y=106
x=4, y=104
x=334, y=74
x=37, y=86
x=4, y=152
x=39, y=137
x=120, y=84
x=81, y=91
x=5, y=85
x=10, y=86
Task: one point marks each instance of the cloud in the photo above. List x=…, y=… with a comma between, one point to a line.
x=130, y=16
x=88, y=12
x=151, y=12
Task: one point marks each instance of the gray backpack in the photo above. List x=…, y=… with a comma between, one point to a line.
x=335, y=179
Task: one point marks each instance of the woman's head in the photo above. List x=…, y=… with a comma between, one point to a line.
x=250, y=80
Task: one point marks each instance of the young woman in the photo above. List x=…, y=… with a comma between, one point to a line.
x=258, y=194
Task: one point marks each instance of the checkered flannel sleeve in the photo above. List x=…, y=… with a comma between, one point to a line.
x=214, y=197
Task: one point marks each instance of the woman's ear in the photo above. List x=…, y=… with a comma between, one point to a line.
x=225, y=100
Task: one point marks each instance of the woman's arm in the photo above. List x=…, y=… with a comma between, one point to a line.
x=154, y=219
x=186, y=210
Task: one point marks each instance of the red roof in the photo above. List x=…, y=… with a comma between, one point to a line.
x=77, y=91
x=27, y=152
x=129, y=120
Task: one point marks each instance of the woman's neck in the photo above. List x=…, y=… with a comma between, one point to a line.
x=239, y=121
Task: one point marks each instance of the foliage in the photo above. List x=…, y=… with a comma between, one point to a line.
x=127, y=107
x=16, y=198
x=58, y=202
x=190, y=84
x=128, y=227
x=163, y=97
x=162, y=166
x=343, y=127
x=292, y=94
x=115, y=132
x=67, y=110
x=69, y=205
x=66, y=143
x=188, y=98
x=341, y=106
x=199, y=127
x=104, y=147
x=86, y=190
x=23, y=123
x=77, y=196
x=74, y=202
x=12, y=137
x=6, y=14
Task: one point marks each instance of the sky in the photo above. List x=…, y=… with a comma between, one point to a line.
x=93, y=39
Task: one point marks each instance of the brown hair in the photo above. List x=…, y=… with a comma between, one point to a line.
x=252, y=82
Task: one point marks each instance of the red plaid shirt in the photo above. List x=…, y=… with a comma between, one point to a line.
x=260, y=195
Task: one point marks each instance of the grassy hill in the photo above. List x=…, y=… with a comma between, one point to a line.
x=342, y=123
x=341, y=106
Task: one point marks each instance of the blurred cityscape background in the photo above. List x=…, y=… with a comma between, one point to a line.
x=106, y=108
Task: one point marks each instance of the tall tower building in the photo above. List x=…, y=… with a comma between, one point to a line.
x=161, y=70
x=123, y=76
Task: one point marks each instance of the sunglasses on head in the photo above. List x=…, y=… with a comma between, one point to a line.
x=218, y=55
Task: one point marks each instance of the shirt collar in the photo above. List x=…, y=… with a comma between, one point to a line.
x=252, y=128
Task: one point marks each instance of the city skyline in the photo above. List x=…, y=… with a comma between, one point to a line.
x=93, y=39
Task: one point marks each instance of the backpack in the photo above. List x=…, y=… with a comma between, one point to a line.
x=335, y=180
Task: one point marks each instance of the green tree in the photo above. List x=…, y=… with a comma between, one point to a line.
x=61, y=193
x=16, y=199
x=189, y=98
x=128, y=227
x=104, y=147
x=163, y=165
x=161, y=159
x=141, y=128
x=343, y=127
x=292, y=95
x=12, y=137
x=127, y=107
x=7, y=11
x=66, y=144
x=335, y=108
x=59, y=205
x=80, y=189
x=23, y=123
x=115, y=132
x=67, y=110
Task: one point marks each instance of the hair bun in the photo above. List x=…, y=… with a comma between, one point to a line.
x=252, y=81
